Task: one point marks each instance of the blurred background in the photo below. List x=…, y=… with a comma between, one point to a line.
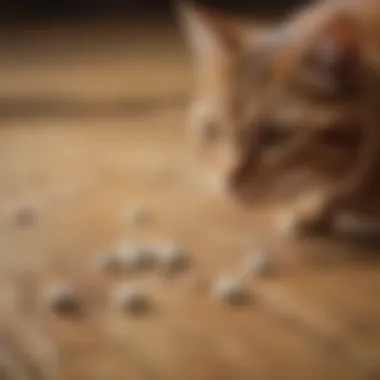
x=38, y=38
x=87, y=8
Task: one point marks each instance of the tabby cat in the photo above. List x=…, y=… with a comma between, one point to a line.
x=291, y=109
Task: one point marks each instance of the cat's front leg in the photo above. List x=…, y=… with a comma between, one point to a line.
x=312, y=214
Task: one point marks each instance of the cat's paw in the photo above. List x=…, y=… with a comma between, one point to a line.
x=295, y=225
x=310, y=216
x=319, y=226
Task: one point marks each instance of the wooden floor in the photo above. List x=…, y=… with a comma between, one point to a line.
x=92, y=124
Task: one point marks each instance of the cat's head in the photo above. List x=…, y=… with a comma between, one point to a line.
x=276, y=109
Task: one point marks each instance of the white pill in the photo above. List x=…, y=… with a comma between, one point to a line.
x=231, y=291
x=137, y=257
x=62, y=298
x=129, y=299
x=127, y=259
x=172, y=257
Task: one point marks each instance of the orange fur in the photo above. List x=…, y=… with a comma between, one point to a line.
x=291, y=110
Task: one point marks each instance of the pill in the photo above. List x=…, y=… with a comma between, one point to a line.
x=231, y=291
x=63, y=299
x=130, y=299
x=172, y=257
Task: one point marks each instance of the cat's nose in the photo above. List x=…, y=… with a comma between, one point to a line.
x=235, y=179
x=239, y=175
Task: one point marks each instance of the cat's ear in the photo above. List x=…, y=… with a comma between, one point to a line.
x=336, y=51
x=210, y=33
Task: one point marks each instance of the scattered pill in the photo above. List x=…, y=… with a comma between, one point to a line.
x=137, y=257
x=172, y=257
x=63, y=299
x=131, y=300
x=231, y=291
x=128, y=257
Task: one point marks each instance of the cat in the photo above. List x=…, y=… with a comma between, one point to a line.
x=291, y=109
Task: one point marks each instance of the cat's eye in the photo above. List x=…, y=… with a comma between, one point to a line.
x=338, y=137
x=272, y=135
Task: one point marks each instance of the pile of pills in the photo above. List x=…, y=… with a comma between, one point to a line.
x=169, y=258
x=130, y=258
x=134, y=257
x=172, y=258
